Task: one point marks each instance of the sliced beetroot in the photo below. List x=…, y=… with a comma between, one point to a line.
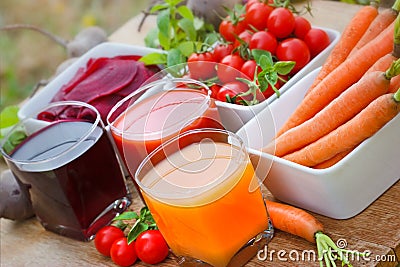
x=105, y=104
x=104, y=81
x=138, y=80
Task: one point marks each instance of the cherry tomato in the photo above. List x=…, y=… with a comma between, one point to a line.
x=228, y=30
x=222, y=50
x=105, y=237
x=316, y=40
x=201, y=65
x=151, y=247
x=263, y=40
x=269, y=91
x=257, y=15
x=281, y=22
x=293, y=49
x=123, y=254
x=301, y=26
x=249, y=68
x=229, y=68
x=214, y=90
x=249, y=3
x=244, y=36
x=231, y=89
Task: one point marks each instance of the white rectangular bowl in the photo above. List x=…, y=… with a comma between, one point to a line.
x=235, y=116
x=41, y=99
x=341, y=191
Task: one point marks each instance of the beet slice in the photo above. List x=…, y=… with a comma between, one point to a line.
x=109, y=79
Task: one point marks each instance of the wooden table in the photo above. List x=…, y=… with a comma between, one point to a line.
x=376, y=229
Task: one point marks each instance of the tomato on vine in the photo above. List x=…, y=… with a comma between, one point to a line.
x=257, y=15
x=293, y=49
x=201, y=65
x=229, y=68
x=221, y=51
x=316, y=40
x=122, y=253
x=264, y=40
x=281, y=22
x=105, y=237
x=151, y=247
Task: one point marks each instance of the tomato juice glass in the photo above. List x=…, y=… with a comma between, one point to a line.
x=201, y=189
x=161, y=109
x=68, y=162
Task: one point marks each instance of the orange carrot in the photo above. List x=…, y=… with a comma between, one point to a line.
x=381, y=22
x=293, y=220
x=394, y=84
x=382, y=64
x=332, y=161
x=301, y=223
x=341, y=109
x=362, y=126
x=348, y=39
x=341, y=78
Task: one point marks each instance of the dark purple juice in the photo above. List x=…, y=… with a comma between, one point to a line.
x=75, y=187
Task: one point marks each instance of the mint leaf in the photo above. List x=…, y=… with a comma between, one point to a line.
x=9, y=116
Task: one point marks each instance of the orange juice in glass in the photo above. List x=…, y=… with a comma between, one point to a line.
x=205, y=198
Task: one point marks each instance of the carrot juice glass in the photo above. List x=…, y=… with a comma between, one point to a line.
x=159, y=110
x=201, y=189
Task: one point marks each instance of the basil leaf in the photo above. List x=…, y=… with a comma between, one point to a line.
x=185, y=12
x=136, y=230
x=128, y=215
x=154, y=58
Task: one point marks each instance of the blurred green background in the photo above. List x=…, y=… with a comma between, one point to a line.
x=26, y=57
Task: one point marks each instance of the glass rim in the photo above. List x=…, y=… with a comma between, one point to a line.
x=31, y=116
x=147, y=86
x=147, y=159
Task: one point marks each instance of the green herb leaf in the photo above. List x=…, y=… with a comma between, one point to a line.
x=14, y=140
x=158, y=7
x=284, y=67
x=154, y=58
x=136, y=230
x=185, y=12
x=128, y=215
x=187, y=26
x=9, y=116
x=175, y=57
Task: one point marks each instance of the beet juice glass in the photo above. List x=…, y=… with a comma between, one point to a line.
x=159, y=110
x=67, y=160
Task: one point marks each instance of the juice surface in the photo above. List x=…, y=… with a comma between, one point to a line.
x=158, y=118
x=219, y=216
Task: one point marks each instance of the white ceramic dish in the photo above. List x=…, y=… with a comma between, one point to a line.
x=235, y=116
x=339, y=192
x=44, y=96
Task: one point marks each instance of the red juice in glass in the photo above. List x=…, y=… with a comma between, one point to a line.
x=158, y=115
x=75, y=180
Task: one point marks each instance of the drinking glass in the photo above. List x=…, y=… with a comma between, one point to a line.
x=67, y=160
x=202, y=190
x=161, y=109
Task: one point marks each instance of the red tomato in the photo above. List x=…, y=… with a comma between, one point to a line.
x=214, y=90
x=201, y=66
x=249, y=3
x=123, y=254
x=105, y=237
x=293, y=49
x=222, y=50
x=151, y=247
x=244, y=36
x=263, y=40
x=257, y=15
x=281, y=22
x=227, y=30
x=229, y=68
x=301, y=26
x=316, y=40
x=269, y=91
x=231, y=89
x=249, y=68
